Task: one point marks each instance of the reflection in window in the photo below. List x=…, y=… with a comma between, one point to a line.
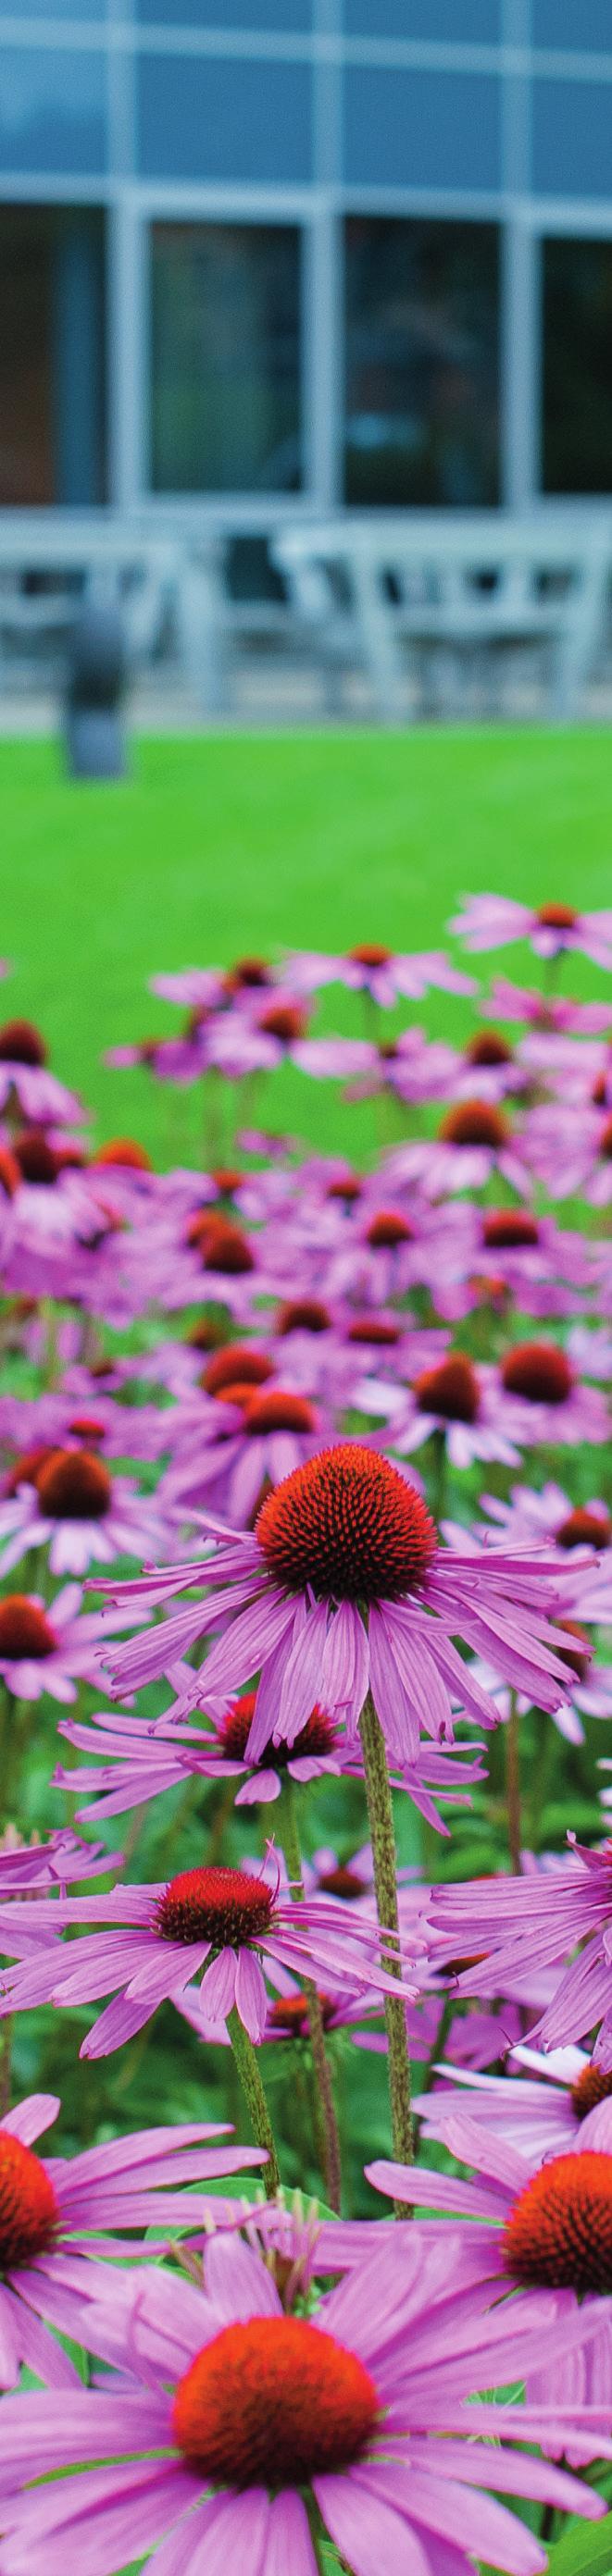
x=577, y=366
x=225, y=358
x=422, y=363
x=52, y=393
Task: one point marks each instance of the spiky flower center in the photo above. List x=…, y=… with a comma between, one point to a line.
x=369, y=954
x=273, y=2402
x=25, y=1633
x=348, y=1526
x=509, y=1230
x=451, y=1390
x=291, y=2015
x=277, y=1409
x=73, y=1485
x=126, y=1152
x=373, y=1330
x=584, y=1529
x=316, y=1739
x=593, y=2086
x=539, y=1372
x=487, y=1047
x=284, y=1020
x=10, y=1172
x=475, y=1122
x=605, y=1141
x=341, y=1881
x=556, y=916
x=227, y=1179
x=237, y=1361
x=347, y=1188
x=27, y=1467
x=36, y=1158
x=223, y=1247
x=559, y=2232
x=578, y=1653
x=302, y=1315
x=223, y=1906
x=21, y=1043
x=249, y=971
x=387, y=1229
x=29, y=2213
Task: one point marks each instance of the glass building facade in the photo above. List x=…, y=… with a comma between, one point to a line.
x=264, y=254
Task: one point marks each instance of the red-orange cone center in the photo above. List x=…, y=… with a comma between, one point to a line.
x=273, y=2402
x=29, y=2213
x=559, y=2233
x=347, y=1525
x=224, y=1906
x=25, y=1633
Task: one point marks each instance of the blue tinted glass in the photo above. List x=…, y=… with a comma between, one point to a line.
x=208, y=119
x=52, y=110
x=422, y=129
x=77, y=9
x=572, y=138
x=225, y=358
x=583, y=26
x=422, y=334
x=577, y=381
x=289, y=17
x=469, y=22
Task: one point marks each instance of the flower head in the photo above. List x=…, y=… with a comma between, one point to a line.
x=344, y=1586
x=234, y=2422
x=229, y=1922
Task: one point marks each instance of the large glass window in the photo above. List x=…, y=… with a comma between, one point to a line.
x=422, y=363
x=288, y=17
x=577, y=404
x=470, y=22
x=52, y=109
x=226, y=358
x=216, y=117
x=52, y=337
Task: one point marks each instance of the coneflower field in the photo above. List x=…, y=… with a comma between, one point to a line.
x=306, y=1773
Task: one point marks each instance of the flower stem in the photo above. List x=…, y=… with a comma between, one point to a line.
x=513, y=1787
x=330, y=2139
x=382, y=1835
x=245, y=2058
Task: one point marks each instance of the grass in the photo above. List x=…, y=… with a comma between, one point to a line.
x=226, y=843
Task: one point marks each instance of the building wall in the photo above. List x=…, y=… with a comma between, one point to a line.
x=287, y=139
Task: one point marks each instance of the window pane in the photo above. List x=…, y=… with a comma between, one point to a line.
x=206, y=118
x=78, y=9
x=576, y=26
x=422, y=129
x=572, y=138
x=469, y=22
x=52, y=110
x=52, y=338
x=422, y=363
x=226, y=358
x=577, y=366
x=289, y=17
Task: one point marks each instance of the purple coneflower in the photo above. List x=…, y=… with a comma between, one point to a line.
x=54, y=2212
x=343, y=1588
x=532, y=1922
x=490, y=920
x=228, y=1922
x=69, y=1500
x=234, y=2424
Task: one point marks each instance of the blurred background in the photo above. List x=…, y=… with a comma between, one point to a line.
x=306, y=354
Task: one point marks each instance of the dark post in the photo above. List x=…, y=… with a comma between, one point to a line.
x=95, y=731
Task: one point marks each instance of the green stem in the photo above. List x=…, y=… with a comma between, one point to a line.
x=439, y=1474
x=332, y=2163
x=246, y=2063
x=513, y=1787
x=382, y=1836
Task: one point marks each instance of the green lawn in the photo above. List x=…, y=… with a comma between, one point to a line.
x=225, y=843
